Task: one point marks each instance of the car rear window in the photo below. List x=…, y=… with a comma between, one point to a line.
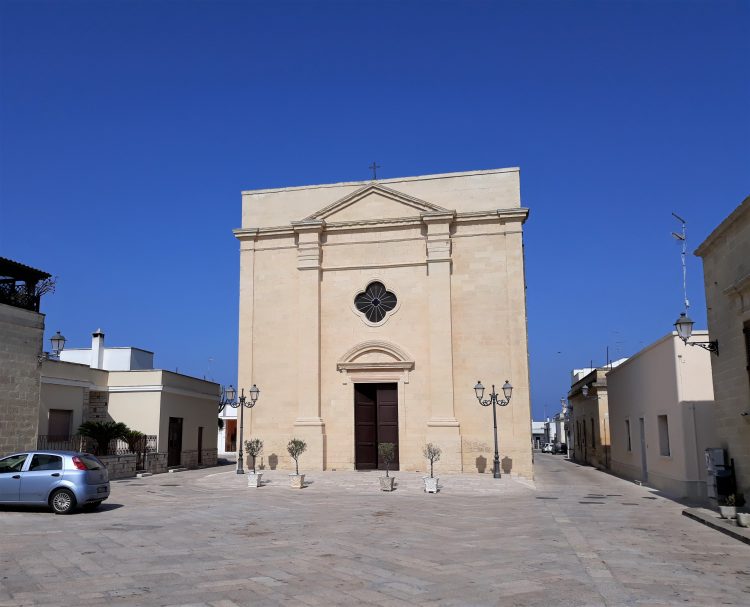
x=43, y=461
x=91, y=462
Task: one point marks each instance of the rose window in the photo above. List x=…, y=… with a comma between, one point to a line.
x=375, y=302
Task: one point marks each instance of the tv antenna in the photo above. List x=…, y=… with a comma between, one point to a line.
x=682, y=237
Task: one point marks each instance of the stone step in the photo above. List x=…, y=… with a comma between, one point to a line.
x=177, y=470
x=144, y=474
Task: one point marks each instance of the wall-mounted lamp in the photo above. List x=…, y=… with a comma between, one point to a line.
x=684, y=327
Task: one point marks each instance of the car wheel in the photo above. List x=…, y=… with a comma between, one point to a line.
x=62, y=501
x=91, y=506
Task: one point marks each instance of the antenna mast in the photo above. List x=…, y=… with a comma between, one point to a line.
x=682, y=237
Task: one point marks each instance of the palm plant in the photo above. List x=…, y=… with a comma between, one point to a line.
x=254, y=448
x=135, y=440
x=103, y=433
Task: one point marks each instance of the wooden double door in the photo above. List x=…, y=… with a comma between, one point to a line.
x=375, y=421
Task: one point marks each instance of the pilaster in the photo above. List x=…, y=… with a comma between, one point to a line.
x=309, y=425
x=245, y=375
x=442, y=427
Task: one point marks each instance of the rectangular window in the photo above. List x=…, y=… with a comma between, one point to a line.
x=663, y=435
x=44, y=461
x=627, y=429
x=59, y=424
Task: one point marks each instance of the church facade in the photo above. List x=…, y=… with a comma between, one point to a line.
x=369, y=310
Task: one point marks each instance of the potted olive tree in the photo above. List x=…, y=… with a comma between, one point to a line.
x=295, y=448
x=387, y=452
x=254, y=447
x=431, y=453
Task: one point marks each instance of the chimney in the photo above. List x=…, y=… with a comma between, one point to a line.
x=97, y=349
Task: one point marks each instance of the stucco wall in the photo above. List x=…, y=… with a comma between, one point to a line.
x=666, y=378
x=21, y=334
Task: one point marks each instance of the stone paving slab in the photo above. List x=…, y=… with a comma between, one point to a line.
x=575, y=537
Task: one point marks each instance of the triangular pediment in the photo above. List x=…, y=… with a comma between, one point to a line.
x=373, y=202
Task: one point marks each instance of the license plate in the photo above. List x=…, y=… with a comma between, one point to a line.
x=101, y=489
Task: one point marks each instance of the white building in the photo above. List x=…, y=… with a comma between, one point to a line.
x=661, y=414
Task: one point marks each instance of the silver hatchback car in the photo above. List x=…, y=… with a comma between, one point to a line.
x=61, y=479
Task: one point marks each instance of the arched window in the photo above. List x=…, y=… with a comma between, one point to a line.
x=375, y=302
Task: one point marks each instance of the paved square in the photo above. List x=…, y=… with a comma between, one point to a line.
x=577, y=537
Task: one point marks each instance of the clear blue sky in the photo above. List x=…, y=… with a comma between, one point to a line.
x=128, y=130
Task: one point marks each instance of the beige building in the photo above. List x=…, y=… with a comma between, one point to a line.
x=661, y=416
x=21, y=335
x=726, y=270
x=178, y=409
x=589, y=418
x=368, y=310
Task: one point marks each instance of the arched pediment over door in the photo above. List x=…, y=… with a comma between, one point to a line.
x=374, y=361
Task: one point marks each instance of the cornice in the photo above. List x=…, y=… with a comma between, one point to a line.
x=720, y=230
x=382, y=181
x=515, y=214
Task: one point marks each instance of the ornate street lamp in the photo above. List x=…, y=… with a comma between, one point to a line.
x=227, y=398
x=684, y=326
x=494, y=401
x=58, y=343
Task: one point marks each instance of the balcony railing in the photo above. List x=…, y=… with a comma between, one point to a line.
x=19, y=295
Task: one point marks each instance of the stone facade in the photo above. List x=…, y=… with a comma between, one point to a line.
x=119, y=466
x=726, y=270
x=590, y=420
x=449, y=247
x=156, y=463
x=95, y=407
x=189, y=458
x=21, y=336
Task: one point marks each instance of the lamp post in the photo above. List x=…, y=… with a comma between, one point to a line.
x=58, y=343
x=684, y=327
x=495, y=401
x=228, y=398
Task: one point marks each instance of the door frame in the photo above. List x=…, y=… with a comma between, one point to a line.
x=170, y=451
x=393, y=385
x=387, y=364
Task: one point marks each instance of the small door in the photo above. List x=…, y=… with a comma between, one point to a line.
x=174, y=444
x=365, y=427
x=200, y=445
x=387, y=399
x=230, y=435
x=644, y=465
x=375, y=421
